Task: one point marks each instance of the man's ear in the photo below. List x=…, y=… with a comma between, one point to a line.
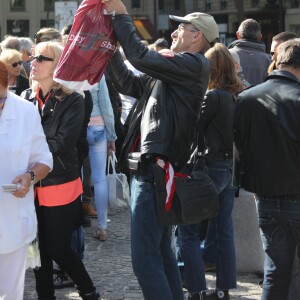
x=260, y=37
x=238, y=35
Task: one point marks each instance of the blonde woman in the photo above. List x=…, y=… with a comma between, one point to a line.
x=59, y=209
x=16, y=81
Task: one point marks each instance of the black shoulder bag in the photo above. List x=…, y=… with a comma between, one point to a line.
x=195, y=198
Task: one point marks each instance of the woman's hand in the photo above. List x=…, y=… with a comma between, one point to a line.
x=115, y=6
x=25, y=181
x=111, y=147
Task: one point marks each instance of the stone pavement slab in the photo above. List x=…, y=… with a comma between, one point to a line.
x=109, y=265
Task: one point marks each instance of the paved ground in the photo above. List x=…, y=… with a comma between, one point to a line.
x=109, y=265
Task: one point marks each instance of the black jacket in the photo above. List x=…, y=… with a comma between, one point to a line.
x=171, y=111
x=216, y=123
x=22, y=83
x=267, y=135
x=62, y=122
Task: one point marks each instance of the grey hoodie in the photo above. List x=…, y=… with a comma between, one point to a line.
x=254, y=59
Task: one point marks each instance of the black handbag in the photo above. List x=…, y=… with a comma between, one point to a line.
x=195, y=199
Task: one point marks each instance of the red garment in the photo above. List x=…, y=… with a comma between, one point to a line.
x=60, y=194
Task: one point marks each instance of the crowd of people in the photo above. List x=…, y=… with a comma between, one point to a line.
x=234, y=109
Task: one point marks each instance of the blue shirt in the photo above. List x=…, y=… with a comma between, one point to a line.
x=102, y=107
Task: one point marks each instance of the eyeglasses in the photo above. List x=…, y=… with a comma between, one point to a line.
x=181, y=27
x=272, y=53
x=14, y=65
x=41, y=58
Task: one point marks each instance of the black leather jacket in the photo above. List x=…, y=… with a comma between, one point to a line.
x=62, y=123
x=267, y=135
x=169, y=118
x=216, y=120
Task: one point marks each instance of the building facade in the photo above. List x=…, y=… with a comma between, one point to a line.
x=26, y=17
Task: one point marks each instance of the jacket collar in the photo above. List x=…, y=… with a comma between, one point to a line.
x=254, y=45
x=276, y=74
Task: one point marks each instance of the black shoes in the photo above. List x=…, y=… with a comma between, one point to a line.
x=86, y=221
x=90, y=296
x=214, y=295
x=194, y=297
x=62, y=280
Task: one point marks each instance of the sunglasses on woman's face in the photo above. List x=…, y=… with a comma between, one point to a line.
x=41, y=58
x=16, y=63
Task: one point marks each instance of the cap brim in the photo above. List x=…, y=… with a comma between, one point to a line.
x=178, y=19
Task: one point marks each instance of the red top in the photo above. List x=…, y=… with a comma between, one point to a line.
x=60, y=194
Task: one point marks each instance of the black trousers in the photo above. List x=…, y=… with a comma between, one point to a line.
x=55, y=227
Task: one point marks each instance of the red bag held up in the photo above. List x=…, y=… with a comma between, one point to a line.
x=90, y=45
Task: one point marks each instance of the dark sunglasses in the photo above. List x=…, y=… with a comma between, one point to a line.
x=272, y=53
x=41, y=58
x=17, y=63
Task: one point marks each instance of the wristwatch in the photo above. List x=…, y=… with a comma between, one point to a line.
x=33, y=176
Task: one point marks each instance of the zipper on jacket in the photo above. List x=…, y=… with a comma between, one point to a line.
x=61, y=162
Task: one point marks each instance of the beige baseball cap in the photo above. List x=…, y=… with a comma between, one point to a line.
x=203, y=22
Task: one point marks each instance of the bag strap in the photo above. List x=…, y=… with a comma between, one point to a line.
x=112, y=160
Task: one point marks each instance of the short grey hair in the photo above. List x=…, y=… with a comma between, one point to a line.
x=11, y=42
x=250, y=30
x=26, y=43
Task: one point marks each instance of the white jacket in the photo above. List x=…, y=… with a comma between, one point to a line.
x=22, y=144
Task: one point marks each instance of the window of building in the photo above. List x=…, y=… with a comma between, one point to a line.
x=207, y=5
x=255, y=3
x=49, y=5
x=169, y=6
x=295, y=3
x=135, y=3
x=18, y=27
x=17, y=5
x=295, y=28
x=223, y=4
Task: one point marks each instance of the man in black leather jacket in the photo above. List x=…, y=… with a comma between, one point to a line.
x=163, y=124
x=267, y=137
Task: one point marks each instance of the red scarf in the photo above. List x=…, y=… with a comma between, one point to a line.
x=41, y=101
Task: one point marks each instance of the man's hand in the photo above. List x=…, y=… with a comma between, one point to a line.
x=25, y=182
x=115, y=6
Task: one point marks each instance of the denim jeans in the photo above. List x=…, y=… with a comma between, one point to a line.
x=153, y=260
x=77, y=241
x=219, y=243
x=279, y=222
x=96, y=136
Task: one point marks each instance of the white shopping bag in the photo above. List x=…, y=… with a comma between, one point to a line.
x=118, y=188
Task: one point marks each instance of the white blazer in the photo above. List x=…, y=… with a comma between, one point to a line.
x=22, y=144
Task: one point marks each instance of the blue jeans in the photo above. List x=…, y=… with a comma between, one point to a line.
x=279, y=222
x=153, y=260
x=219, y=243
x=77, y=241
x=96, y=136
